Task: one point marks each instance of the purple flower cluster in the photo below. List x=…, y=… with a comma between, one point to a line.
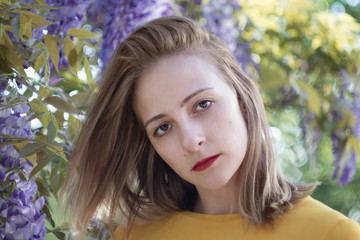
x=349, y=86
x=120, y=18
x=19, y=210
x=219, y=16
x=96, y=223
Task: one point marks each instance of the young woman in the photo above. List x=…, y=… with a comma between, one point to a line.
x=177, y=144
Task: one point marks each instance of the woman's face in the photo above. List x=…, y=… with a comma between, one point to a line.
x=193, y=119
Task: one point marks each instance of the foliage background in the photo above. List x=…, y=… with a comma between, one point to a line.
x=302, y=54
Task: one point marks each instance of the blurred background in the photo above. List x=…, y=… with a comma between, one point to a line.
x=302, y=54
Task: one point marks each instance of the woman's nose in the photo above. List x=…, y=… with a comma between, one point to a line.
x=193, y=137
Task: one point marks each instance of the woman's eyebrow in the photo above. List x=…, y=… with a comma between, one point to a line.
x=159, y=116
x=187, y=99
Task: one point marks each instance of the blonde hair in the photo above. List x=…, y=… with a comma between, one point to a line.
x=113, y=162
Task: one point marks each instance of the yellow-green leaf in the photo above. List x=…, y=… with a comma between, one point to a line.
x=52, y=50
x=88, y=73
x=39, y=107
x=53, y=38
x=21, y=144
x=39, y=62
x=7, y=28
x=91, y=46
x=23, y=21
x=347, y=120
x=41, y=139
x=312, y=97
x=354, y=143
x=32, y=158
x=74, y=127
x=43, y=92
x=43, y=3
x=37, y=20
x=81, y=33
x=28, y=30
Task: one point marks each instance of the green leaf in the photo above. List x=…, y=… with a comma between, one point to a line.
x=30, y=149
x=71, y=54
x=47, y=212
x=81, y=33
x=40, y=166
x=28, y=93
x=6, y=182
x=36, y=115
x=61, y=104
x=52, y=129
x=11, y=141
x=52, y=50
x=59, y=234
x=22, y=176
x=15, y=27
x=11, y=57
x=58, y=151
x=36, y=54
x=46, y=71
x=34, y=43
x=42, y=188
x=45, y=119
x=57, y=178
x=74, y=126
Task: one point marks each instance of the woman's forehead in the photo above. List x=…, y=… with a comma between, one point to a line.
x=171, y=80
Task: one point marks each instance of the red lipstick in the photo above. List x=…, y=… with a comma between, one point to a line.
x=205, y=163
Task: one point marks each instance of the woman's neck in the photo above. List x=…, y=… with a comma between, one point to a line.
x=221, y=201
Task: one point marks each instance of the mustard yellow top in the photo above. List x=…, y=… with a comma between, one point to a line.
x=307, y=220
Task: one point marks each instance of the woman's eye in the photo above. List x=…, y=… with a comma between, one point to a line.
x=161, y=130
x=203, y=105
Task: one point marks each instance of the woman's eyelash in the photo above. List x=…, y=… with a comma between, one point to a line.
x=163, y=127
x=203, y=104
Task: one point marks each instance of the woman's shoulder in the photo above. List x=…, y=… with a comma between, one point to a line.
x=314, y=217
x=308, y=219
x=310, y=208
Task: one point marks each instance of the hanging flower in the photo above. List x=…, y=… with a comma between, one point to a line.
x=18, y=205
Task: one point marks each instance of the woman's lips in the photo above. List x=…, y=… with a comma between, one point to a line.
x=205, y=163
